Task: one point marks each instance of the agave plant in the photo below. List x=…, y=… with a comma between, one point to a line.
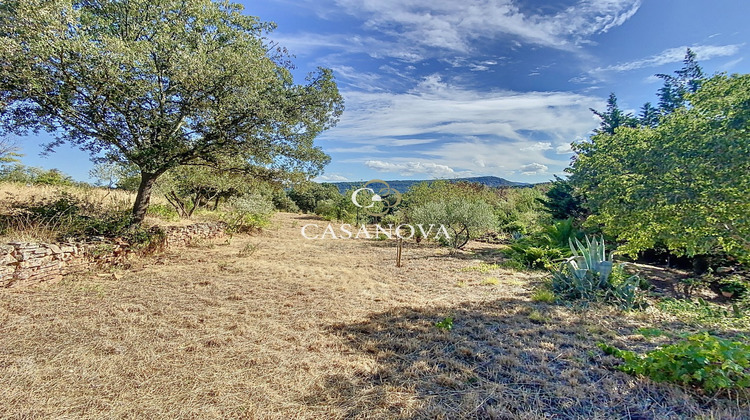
x=591, y=274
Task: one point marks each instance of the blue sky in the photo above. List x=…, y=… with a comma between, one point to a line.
x=446, y=88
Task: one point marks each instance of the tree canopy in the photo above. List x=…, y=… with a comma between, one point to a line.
x=683, y=183
x=160, y=84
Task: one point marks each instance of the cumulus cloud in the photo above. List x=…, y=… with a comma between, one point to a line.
x=538, y=146
x=533, y=169
x=331, y=178
x=430, y=169
x=564, y=149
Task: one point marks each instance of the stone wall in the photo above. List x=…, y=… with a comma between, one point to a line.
x=24, y=264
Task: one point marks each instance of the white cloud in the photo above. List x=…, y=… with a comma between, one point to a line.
x=533, y=169
x=564, y=149
x=414, y=29
x=331, y=178
x=484, y=132
x=436, y=109
x=414, y=168
x=540, y=145
x=674, y=55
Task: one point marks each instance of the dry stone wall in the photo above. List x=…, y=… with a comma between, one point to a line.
x=24, y=264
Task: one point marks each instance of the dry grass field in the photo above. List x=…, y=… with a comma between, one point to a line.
x=275, y=326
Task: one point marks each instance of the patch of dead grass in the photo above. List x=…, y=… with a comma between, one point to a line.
x=317, y=329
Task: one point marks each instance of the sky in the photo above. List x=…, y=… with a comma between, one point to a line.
x=446, y=88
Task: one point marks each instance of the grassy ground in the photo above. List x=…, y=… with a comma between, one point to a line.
x=275, y=326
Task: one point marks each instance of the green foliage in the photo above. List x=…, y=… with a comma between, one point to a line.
x=114, y=175
x=688, y=79
x=545, y=248
x=8, y=151
x=701, y=360
x=283, y=202
x=561, y=201
x=163, y=212
x=543, y=294
x=534, y=257
x=702, y=313
x=37, y=176
x=591, y=275
x=307, y=195
x=521, y=211
x=188, y=188
x=483, y=268
x=248, y=213
x=445, y=324
x=160, y=84
x=683, y=183
x=613, y=117
x=735, y=285
x=340, y=207
x=70, y=218
x=463, y=218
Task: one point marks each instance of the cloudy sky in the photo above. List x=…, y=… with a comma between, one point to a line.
x=446, y=88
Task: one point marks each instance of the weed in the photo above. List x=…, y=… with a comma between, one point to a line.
x=543, y=294
x=708, y=314
x=537, y=317
x=701, y=360
x=490, y=281
x=483, y=268
x=446, y=324
x=248, y=250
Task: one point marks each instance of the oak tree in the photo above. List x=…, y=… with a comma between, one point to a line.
x=160, y=84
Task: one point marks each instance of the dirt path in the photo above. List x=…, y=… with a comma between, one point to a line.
x=276, y=326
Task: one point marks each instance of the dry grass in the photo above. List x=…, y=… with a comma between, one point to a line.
x=21, y=227
x=318, y=329
x=13, y=193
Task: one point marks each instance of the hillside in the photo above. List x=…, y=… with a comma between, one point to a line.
x=404, y=185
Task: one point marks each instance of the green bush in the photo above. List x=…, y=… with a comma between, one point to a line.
x=464, y=219
x=734, y=285
x=31, y=175
x=248, y=213
x=534, y=257
x=545, y=248
x=163, y=212
x=701, y=360
x=705, y=314
x=591, y=275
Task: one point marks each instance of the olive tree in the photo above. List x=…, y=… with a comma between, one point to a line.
x=160, y=84
x=463, y=218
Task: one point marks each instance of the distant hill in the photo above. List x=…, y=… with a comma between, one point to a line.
x=404, y=185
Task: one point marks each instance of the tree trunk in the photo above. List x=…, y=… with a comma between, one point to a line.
x=143, y=197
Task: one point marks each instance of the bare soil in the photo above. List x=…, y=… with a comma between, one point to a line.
x=276, y=326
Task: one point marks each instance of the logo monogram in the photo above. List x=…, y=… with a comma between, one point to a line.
x=390, y=197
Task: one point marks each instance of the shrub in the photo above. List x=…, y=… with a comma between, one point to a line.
x=64, y=216
x=591, y=275
x=534, y=257
x=163, y=212
x=464, y=219
x=735, y=286
x=543, y=294
x=545, y=248
x=248, y=213
x=700, y=360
